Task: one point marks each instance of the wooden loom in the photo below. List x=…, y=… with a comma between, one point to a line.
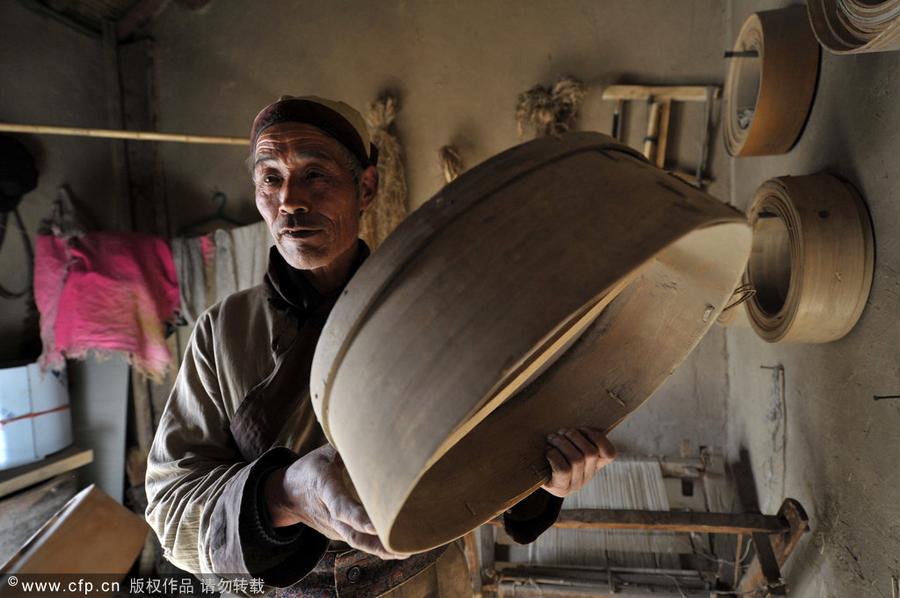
x=774, y=538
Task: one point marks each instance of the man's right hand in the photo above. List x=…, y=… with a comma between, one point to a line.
x=316, y=491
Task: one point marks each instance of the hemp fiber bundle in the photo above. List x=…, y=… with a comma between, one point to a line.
x=451, y=163
x=389, y=207
x=550, y=110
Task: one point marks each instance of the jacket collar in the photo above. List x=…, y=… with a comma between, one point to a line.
x=288, y=288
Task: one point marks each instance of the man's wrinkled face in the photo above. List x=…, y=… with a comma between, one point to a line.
x=306, y=193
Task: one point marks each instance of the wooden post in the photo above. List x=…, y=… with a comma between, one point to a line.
x=122, y=218
x=650, y=141
x=782, y=544
x=487, y=571
x=665, y=111
x=470, y=542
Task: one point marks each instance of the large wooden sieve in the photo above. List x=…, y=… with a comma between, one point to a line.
x=556, y=285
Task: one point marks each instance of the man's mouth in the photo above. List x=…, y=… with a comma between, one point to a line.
x=300, y=233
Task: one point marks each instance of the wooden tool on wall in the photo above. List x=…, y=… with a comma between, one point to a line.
x=659, y=101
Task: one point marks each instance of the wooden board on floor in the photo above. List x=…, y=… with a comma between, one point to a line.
x=24, y=476
x=23, y=513
x=91, y=534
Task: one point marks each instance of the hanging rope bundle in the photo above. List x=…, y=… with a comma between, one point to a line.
x=550, y=110
x=389, y=207
x=451, y=163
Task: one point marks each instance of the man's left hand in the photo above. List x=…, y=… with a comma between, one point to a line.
x=575, y=455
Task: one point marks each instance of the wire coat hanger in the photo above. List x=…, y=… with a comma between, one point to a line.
x=218, y=215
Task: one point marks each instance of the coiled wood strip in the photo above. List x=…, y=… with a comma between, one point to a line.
x=769, y=95
x=812, y=259
x=856, y=26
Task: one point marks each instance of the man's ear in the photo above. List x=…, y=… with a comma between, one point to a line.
x=368, y=187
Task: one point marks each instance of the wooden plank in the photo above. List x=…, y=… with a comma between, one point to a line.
x=24, y=476
x=23, y=513
x=528, y=589
x=681, y=468
x=516, y=579
x=651, y=140
x=91, y=534
x=738, y=559
x=142, y=411
x=137, y=71
x=690, y=179
x=768, y=564
x=470, y=545
x=617, y=119
x=487, y=571
x=122, y=208
x=676, y=93
x=665, y=111
x=667, y=521
x=783, y=544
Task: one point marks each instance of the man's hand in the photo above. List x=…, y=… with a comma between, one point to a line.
x=316, y=491
x=575, y=455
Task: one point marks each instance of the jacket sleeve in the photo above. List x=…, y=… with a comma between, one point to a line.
x=202, y=495
x=532, y=516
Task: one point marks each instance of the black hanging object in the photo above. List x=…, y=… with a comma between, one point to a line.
x=18, y=173
x=18, y=176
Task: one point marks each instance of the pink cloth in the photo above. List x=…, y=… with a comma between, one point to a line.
x=106, y=292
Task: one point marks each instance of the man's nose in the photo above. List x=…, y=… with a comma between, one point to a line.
x=295, y=198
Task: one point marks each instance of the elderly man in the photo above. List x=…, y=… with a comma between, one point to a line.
x=240, y=480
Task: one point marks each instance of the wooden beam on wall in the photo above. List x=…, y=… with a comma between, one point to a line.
x=139, y=15
x=668, y=521
x=122, y=215
x=137, y=68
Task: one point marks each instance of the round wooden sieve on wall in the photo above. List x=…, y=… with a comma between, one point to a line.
x=771, y=83
x=812, y=260
x=856, y=26
x=556, y=285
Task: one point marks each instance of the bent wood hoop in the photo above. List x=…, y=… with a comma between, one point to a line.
x=856, y=26
x=778, y=84
x=556, y=285
x=812, y=260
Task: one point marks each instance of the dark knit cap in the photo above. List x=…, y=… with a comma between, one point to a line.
x=334, y=118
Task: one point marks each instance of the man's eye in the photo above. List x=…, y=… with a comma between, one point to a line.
x=271, y=179
x=314, y=174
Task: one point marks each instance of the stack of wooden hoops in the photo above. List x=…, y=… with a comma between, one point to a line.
x=856, y=26
x=556, y=285
x=771, y=83
x=812, y=263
